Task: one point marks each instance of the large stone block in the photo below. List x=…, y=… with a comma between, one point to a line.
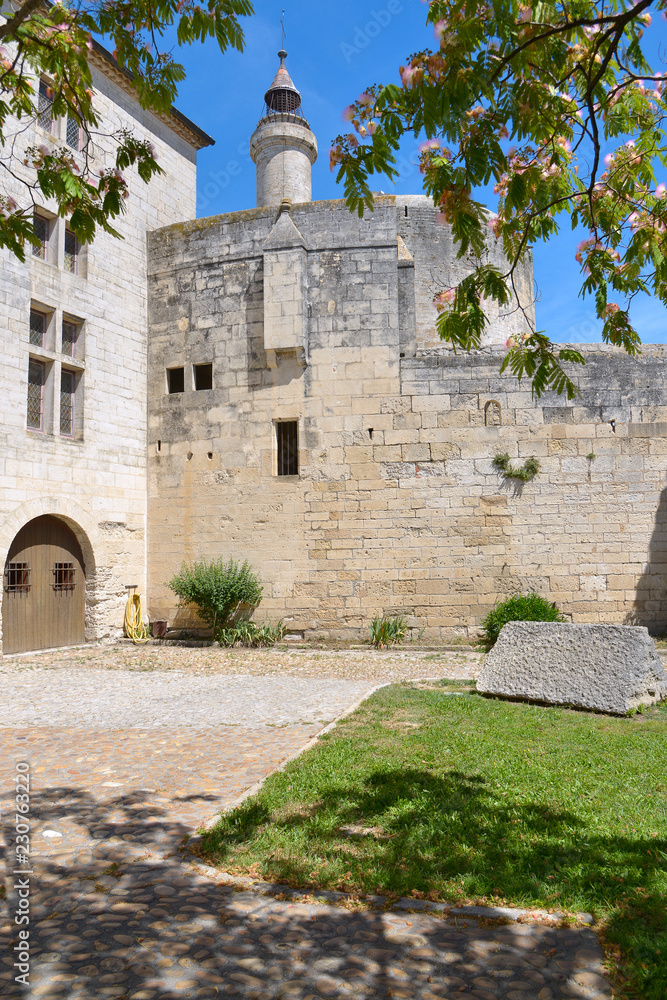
x=609, y=668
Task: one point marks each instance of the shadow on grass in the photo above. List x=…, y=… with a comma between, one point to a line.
x=456, y=836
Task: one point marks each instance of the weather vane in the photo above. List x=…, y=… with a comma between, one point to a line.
x=282, y=25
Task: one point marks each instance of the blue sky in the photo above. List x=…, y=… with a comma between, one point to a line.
x=335, y=50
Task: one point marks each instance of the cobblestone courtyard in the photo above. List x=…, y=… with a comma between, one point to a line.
x=132, y=749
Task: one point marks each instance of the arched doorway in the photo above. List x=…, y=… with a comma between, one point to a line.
x=44, y=588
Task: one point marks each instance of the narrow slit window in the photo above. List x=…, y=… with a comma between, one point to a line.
x=175, y=380
x=287, y=439
x=71, y=258
x=17, y=578
x=203, y=376
x=70, y=336
x=41, y=226
x=37, y=328
x=72, y=133
x=36, y=372
x=67, y=388
x=45, y=106
x=63, y=576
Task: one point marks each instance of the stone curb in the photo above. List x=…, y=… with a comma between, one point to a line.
x=244, y=883
x=514, y=914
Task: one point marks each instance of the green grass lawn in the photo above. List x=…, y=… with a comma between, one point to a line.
x=466, y=798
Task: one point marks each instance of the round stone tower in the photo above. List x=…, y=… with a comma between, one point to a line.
x=282, y=145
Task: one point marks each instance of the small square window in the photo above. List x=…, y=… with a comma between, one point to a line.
x=175, y=380
x=45, y=105
x=72, y=133
x=67, y=392
x=38, y=323
x=203, y=376
x=42, y=228
x=70, y=337
x=71, y=258
x=36, y=379
x=287, y=442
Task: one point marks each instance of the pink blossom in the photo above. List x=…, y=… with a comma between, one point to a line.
x=348, y=113
x=609, y=159
x=660, y=191
x=440, y=29
x=365, y=99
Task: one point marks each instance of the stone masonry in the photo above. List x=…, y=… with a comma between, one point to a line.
x=94, y=479
x=397, y=507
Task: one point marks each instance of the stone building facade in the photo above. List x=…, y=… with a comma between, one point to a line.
x=269, y=385
x=73, y=330
x=346, y=454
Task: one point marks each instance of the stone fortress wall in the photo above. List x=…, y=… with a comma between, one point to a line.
x=315, y=316
x=95, y=479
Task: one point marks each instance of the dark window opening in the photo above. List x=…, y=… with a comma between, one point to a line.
x=18, y=578
x=63, y=576
x=37, y=328
x=67, y=390
x=45, y=106
x=36, y=373
x=72, y=133
x=203, y=376
x=406, y=211
x=71, y=258
x=159, y=446
x=175, y=380
x=287, y=438
x=70, y=336
x=41, y=227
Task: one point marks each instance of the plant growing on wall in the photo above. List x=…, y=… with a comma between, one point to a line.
x=218, y=589
x=519, y=608
x=524, y=472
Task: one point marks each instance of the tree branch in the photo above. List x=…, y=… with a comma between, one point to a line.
x=9, y=27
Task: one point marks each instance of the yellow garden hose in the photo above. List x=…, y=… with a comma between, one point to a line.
x=134, y=625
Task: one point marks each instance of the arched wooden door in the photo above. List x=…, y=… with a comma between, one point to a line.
x=44, y=588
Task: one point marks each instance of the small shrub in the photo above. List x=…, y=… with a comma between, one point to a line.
x=245, y=633
x=217, y=589
x=519, y=608
x=387, y=631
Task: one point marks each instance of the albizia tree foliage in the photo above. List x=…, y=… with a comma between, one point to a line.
x=54, y=42
x=557, y=106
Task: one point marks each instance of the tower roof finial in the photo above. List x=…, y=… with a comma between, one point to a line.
x=282, y=97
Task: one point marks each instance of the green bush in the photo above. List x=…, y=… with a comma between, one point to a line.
x=386, y=631
x=217, y=589
x=519, y=608
x=245, y=633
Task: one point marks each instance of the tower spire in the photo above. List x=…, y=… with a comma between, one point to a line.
x=282, y=145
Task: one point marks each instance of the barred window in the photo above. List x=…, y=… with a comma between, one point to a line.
x=41, y=226
x=17, y=578
x=45, y=106
x=70, y=335
x=37, y=328
x=72, y=133
x=63, y=576
x=36, y=373
x=287, y=441
x=71, y=259
x=67, y=387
